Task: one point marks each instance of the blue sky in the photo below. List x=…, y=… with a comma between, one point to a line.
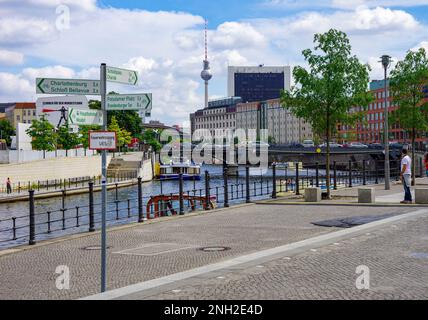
x=163, y=41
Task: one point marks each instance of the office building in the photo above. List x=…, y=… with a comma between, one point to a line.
x=257, y=83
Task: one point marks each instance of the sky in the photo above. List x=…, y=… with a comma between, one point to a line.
x=164, y=41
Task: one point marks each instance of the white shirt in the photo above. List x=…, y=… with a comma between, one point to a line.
x=408, y=162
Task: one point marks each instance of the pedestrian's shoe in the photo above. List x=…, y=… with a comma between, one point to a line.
x=404, y=201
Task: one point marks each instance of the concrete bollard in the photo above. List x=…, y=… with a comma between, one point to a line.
x=421, y=195
x=312, y=194
x=366, y=195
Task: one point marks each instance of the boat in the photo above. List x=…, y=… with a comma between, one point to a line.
x=171, y=171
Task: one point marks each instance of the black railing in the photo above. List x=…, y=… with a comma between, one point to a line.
x=36, y=226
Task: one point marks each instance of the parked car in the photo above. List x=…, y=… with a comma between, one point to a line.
x=357, y=145
x=396, y=145
x=375, y=146
x=332, y=145
x=308, y=144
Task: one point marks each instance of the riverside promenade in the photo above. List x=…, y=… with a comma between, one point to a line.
x=271, y=250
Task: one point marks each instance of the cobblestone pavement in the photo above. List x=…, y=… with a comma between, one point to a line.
x=396, y=255
x=30, y=274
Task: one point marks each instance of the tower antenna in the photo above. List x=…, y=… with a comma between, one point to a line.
x=206, y=74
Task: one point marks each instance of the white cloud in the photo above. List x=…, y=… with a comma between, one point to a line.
x=342, y=4
x=13, y=87
x=15, y=31
x=237, y=35
x=422, y=44
x=167, y=47
x=9, y=58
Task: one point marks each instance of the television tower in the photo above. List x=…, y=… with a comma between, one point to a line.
x=206, y=73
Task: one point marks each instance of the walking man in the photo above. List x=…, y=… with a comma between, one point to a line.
x=8, y=186
x=405, y=175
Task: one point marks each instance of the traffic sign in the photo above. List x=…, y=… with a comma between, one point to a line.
x=85, y=117
x=67, y=86
x=129, y=101
x=121, y=75
x=102, y=140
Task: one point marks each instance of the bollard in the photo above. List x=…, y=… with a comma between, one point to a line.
x=91, y=207
x=297, y=179
x=350, y=174
x=180, y=190
x=140, y=200
x=32, y=218
x=364, y=173
x=63, y=209
x=317, y=175
x=273, y=180
x=207, y=190
x=334, y=176
x=376, y=172
x=226, y=191
x=247, y=184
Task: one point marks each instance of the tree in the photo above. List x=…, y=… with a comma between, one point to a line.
x=151, y=138
x=94, y=104
x=6, y=131
x=123, y=136
x=324, y=95
x=66, y=140
x=43, y=135
x=408, y=80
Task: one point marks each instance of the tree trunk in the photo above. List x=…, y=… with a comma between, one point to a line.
x=413, y=157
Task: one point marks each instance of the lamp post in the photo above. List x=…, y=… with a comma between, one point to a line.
x=386, y=61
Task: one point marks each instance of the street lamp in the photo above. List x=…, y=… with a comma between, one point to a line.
x=386, y=61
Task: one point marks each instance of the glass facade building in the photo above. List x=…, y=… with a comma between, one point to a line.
x=258, y=86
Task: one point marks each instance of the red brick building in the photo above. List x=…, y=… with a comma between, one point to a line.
x=371, y=130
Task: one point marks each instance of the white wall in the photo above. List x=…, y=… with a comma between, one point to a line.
x=50, y=169
x=21, y=156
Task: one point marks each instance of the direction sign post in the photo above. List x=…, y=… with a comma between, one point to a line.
x=67, y=86
x=103, y=79
x=129, y=101
x=121, y=75
x=85, y=117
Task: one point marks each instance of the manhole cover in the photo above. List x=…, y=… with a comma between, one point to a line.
x=89, y=248
x=212, y=249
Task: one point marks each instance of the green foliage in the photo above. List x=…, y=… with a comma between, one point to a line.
x=84, y=134
x=66, y=140
x=335, y=82
x=123, y=136
x=128, y=119
x=150, y=137
x=43, y=135
x=94, y=104
x=7, y=131
x=407, y=81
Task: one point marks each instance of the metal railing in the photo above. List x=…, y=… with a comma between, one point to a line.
x=36, y=226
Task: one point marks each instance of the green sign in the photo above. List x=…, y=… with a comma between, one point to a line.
x=121, y=75
x=67, y=86
x=129, y=101
x=85, y=117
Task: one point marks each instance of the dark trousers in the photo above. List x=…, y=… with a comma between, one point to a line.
x=406, y=185
x=8, y=189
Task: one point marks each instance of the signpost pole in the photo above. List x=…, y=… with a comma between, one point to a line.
x=104, y=185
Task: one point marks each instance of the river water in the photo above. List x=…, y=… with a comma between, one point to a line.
x=125, y=209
